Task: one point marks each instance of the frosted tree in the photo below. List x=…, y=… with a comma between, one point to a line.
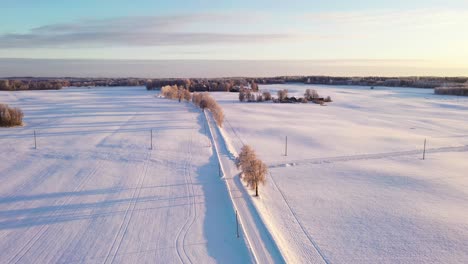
x=282, y=94
x=242, y=95
x=266, y=96
x=246, y=155
x=311, y=94
x=255, y=174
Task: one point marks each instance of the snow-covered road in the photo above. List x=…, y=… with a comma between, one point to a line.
x=263, y=246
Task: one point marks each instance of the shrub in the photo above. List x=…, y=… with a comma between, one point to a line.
x=10, y=116
x=304, y=100
x=328, y=99
x=266, y=96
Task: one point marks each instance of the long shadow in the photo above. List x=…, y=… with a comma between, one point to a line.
x=219, y=226
x=92, y=132
x=70, y=217
x=84, y=206
x=41, y=196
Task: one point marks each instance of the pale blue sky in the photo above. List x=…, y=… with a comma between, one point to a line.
x=417, y=32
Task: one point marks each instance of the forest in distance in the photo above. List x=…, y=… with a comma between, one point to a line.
x=230, y=84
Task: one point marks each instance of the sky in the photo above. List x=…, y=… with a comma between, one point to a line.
x=427, y=34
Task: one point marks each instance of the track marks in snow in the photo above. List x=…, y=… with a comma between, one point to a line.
x=309, y=237
x=182, y=234
x=118, y=239
x=42, y=230
x=367, y=156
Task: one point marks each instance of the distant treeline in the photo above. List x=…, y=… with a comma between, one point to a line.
x=205, y=85
x=453, y=89
x=235, y=84
x=18, y=85
x=225, y=84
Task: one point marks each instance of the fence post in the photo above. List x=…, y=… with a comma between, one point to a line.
x=35, y=143
x=424, y=151
x=286, y=147
x=151, y=135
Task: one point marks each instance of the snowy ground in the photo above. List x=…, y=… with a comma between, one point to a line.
x=353, y=187
x=94, y=192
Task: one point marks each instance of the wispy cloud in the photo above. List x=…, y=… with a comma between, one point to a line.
x=406, y=19
x=175, y=30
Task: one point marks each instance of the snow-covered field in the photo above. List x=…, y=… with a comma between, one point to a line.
x=94, y=192
x=353, y=187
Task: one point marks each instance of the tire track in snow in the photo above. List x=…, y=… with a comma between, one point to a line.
x=36, y=237
x=194, y=206
x=181, y=235
x=116, y=131
x=110, y=257
x=367, y=156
